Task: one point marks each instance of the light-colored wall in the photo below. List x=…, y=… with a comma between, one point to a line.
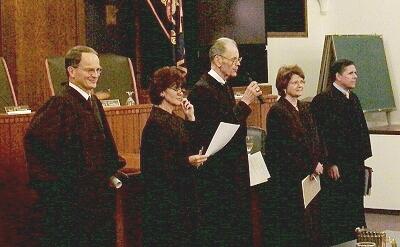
x=343, y=17
x=385, y=192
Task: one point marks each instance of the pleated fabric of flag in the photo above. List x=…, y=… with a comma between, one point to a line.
x=169, y=14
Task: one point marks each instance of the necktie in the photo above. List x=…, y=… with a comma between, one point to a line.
x=347, y=94
x=96, y=111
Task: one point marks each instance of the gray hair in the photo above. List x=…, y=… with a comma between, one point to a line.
x=219, y=47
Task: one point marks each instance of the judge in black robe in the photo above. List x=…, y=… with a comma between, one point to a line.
x=344, y=130
x=222, y=184
x=168, y=163
x=71, y=157
x=292, y=153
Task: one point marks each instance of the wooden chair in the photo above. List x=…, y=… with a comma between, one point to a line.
x=117, y=75
x=7, y=94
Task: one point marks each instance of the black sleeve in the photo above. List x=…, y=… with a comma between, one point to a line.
x=45, y=141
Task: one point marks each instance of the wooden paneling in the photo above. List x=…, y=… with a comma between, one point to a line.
x=8, y=35
x=259, y=109
x=32, y=31
x=1, y=33
x=127, y=123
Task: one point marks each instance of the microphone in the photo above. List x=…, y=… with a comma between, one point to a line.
x=249, y=79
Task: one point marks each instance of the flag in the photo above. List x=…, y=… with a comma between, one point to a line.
x=169, y=14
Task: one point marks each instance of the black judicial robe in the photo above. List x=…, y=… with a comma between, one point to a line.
x=222, y=184
x=344, y=131
x=169, y=200
x=70, y=160
x=292, y=152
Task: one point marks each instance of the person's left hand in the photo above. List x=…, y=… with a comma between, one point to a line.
x=188, y=109
x=319, y=169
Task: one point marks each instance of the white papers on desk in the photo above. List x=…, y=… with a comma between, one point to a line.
x=19, y=112
x=257, y=169
x=222, y=136
x=311, y=186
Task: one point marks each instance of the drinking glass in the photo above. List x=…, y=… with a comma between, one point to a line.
x=130, y=100
x=249, y=143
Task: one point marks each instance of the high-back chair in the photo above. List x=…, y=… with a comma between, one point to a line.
x=259, y=136
x=56, y=75
x=7, y=94
x=117, y=75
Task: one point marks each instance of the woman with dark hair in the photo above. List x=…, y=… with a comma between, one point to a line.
x=293, y=152
x=168, y=163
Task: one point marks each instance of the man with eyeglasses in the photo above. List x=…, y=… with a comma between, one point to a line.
x=223, y=189
x=72, y=158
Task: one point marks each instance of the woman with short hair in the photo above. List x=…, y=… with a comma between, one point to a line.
x=293, y=152
x=168, y=162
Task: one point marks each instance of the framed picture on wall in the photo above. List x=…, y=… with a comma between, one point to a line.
x=286, y=18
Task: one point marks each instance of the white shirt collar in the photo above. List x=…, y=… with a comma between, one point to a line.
x=341, y=89
x=217, y=77
x=83, y=93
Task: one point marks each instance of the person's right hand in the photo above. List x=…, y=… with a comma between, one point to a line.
x=197, y=159
x=188, y=109
x=251, y=93
x=333, y=172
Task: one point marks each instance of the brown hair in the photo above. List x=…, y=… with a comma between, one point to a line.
x=338, y=67
x=164, y=78
x=284, y=75
x=74, y=56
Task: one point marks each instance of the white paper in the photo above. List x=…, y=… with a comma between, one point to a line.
x=257, y=169
x=222, y=136
x=311, y=186
x=19, y=112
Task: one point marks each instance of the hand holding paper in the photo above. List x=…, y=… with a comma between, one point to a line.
x=222, y=136
x=311, y=186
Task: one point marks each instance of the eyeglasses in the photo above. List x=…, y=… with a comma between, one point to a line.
x=297, y=83
x=91, y=71
x=234, y=60
x=178, y=89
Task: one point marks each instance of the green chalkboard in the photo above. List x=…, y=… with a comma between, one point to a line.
x=374, y=87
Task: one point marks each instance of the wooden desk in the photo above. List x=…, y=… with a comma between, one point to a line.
x=126, y=124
